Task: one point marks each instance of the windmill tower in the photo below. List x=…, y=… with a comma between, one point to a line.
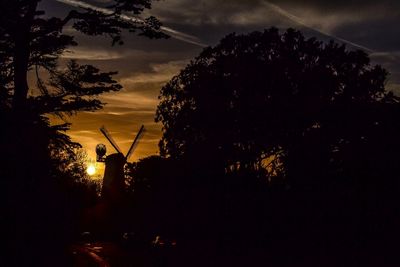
x=114, y=180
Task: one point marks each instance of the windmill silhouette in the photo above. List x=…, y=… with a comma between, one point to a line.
x=114, y=179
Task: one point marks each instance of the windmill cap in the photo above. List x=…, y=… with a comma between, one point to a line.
x=116, y=157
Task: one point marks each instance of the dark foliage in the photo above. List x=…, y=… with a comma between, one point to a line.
x=153, y=186
x=255, y=96
x=290, y=146
x=42, y=193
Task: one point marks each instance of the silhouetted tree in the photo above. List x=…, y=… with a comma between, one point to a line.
x=315, y=115
x=155, y=187
x=251, y=99
x=32, y=41
x=31, y=44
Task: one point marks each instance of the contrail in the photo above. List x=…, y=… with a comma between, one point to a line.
x=298, y=20
x=174, y=33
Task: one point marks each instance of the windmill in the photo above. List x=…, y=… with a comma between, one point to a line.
x=114, y=180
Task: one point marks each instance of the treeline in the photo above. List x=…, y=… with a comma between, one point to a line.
x=277, y=150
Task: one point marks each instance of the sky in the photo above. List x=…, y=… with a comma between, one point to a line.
x=145, y=65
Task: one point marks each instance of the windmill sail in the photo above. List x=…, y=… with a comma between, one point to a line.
x=135, y=142
x=104, y=131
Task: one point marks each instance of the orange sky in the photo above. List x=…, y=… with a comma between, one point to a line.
x=125, y=112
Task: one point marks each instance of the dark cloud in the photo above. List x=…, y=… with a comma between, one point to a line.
x=378, y=35
x=327, y=6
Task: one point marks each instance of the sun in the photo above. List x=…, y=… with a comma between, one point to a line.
x=91, y=169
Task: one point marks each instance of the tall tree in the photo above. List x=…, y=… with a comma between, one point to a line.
x=275, y=105
x=32, y=41
x=31, y=45
x=267, y=98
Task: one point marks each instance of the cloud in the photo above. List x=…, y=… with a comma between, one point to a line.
x=126, y=99
x=304, y=23
x=174, y=33
x=260, y=13
x=191, y=12
x=391, y=56
x=91, y=54
x=338, y=6
x=158, y=74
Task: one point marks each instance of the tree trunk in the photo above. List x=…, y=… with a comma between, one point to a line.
x=22, y=40
x=21, y=59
